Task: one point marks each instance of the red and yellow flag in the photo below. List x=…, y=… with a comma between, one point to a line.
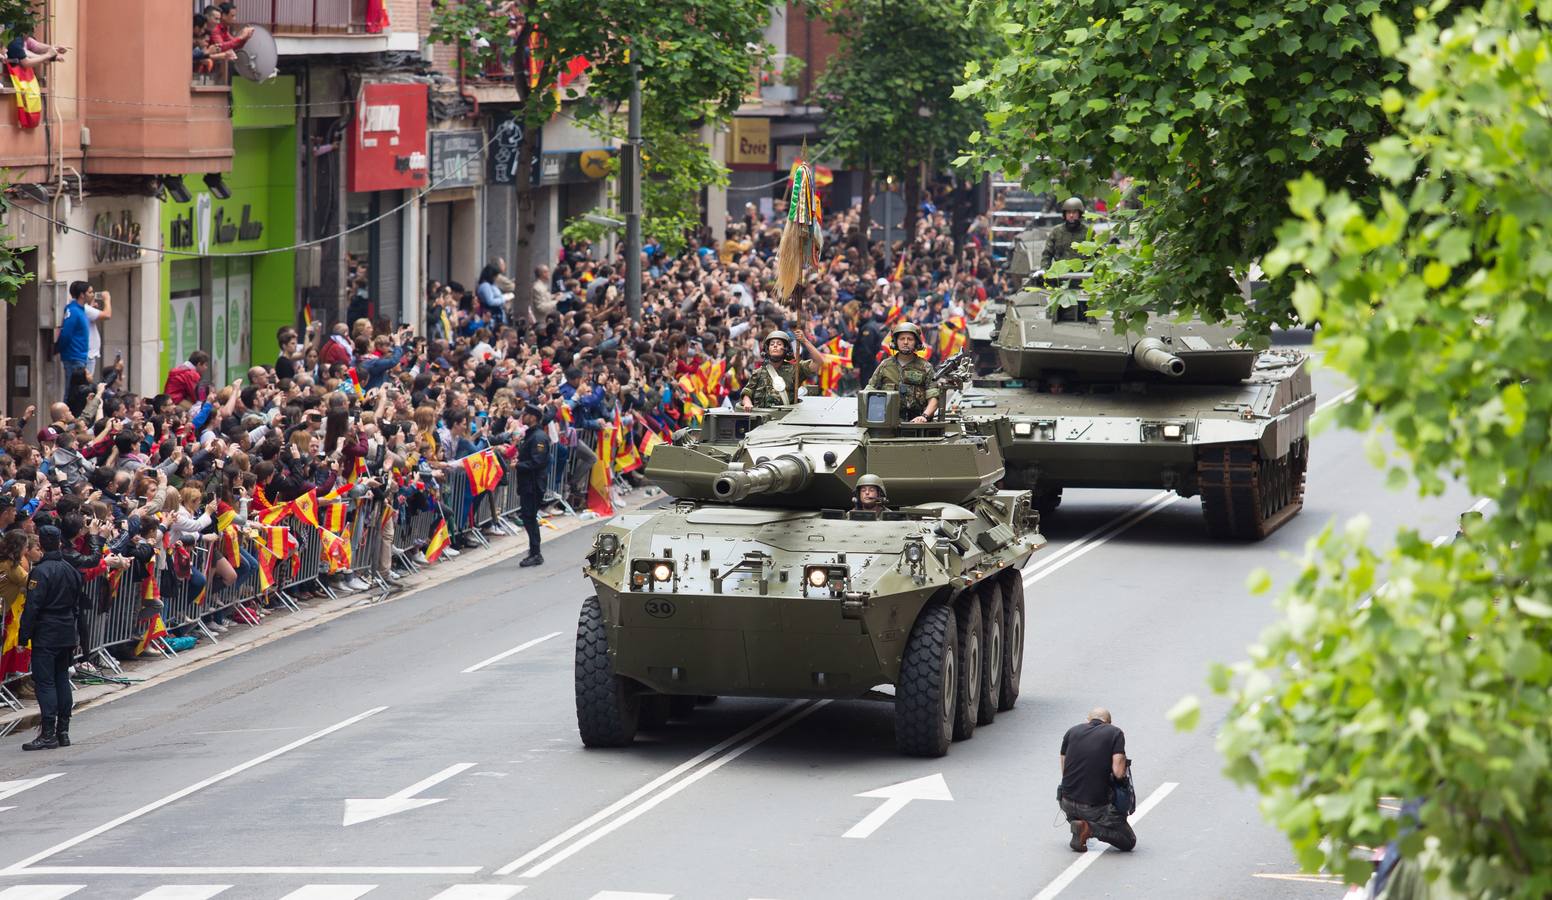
x=306, y=507
x=331, y=517
x=951, y=336
x=484, y=471
x=29, y=99
x=628, y=460
x=439, y=541
x=649, y=442
x=712, y=371
x=14, y=658
x=155, y=629
x=598, y=489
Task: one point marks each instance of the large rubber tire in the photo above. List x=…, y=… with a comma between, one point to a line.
x=1012, y=640
x=608, y=706
x=967, y=610
x=993, y=646
x=927, y=688
x=655, y=710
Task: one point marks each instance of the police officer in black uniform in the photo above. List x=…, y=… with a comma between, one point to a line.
x=56, y=620
x=533, y=464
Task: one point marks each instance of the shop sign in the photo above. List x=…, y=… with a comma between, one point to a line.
x=108, y=230
x=456, y=158
x=198, y=226
x=749, y=143
x=505, y=147
x=388, y=146
x=576, y=166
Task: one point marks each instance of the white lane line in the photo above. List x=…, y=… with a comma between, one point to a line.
x=40, y=891
x=637, y=811
x=644, y=790
x=480, y=892
x=1039, y=562
x=329, y=892
x=1338, y=400
x=506, y=653
x=191, y=789
x=183, y=892
x=1083, y=862
x=186, y=871
x=1160, y=501
x=12, y=788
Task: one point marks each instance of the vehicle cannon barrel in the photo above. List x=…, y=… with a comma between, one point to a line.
x=1151, y=354
x=773, y=476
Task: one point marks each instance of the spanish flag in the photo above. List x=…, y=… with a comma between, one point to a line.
x=628, y=459
x=275, y=514
x=649, y=442
x=565, y=413
x=155, y=629
x=306, y=507
x=951, y=336
x=29, y=99
x=14, y=658
x=711, y=377
x=307, y=316
x=439, y=541
x=484, y=471
x=895, y=311
x=336, y=551
x=598, y=489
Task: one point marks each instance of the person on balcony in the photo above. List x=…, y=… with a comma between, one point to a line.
x=223, y=18
x=22, y=49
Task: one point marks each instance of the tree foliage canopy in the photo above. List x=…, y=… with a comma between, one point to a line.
x=1211, y=106
x=888, y=92
x=700, y=56
x=1423, y=672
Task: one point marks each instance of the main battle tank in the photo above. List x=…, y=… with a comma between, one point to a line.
x=1182, y=407
x=763, y=580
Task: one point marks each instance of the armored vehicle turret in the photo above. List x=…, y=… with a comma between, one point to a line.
x=1181, y=406
x=776, y=574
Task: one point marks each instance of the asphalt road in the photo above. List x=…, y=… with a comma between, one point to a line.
x=235, y=781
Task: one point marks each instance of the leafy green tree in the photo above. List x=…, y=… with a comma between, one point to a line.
x=888, y=92
x=697, y=56
x=1423, y=672
x=12, y=275
x=1212, y=107
x=675, y=168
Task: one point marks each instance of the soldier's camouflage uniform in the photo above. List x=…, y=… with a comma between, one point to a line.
x=911, y=377
x=1058, y=244
x=763, y=390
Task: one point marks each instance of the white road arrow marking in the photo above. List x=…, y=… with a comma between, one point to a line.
x=12, y=788
x=357, y=811
x=895, y=797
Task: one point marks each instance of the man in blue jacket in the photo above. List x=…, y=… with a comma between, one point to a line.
x=74, y=341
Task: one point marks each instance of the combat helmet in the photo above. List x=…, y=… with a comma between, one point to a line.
x=1073, y=204
x=905, y=328
x=778, y=335
x=872, y=481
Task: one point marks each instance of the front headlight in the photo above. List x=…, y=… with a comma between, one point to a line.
x=914, y=551
x=609, y=543
x=818, y=577
x=829, y=577
x=662, y=572
x=651, y=572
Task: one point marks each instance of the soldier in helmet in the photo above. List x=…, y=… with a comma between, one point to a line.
x=908, y=374
x=871, y=496
x=1059, y=240
x=776, y=382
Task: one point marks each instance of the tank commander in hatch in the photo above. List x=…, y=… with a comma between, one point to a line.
x=909, y=375
x=870, y=495
x=776, y=382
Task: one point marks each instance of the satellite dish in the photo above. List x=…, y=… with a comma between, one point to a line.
x=257, y=59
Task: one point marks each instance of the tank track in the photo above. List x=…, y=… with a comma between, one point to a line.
x=1245, y=497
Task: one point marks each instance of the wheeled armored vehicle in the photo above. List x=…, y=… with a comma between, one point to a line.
x=1181, y=407
x=764, y=578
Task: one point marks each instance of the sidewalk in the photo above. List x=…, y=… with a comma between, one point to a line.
x=155, y=669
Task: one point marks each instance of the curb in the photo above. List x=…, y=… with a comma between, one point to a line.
x=162, y=670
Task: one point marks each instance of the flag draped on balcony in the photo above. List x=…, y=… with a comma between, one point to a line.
x=29, y=100
x=377, y=16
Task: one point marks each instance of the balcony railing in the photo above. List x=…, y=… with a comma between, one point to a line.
x=304, y=16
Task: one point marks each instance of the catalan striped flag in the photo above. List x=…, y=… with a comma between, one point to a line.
x=155, y=629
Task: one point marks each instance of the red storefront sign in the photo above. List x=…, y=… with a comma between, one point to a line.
x=388, y=150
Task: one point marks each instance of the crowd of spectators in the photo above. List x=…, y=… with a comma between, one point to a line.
x=361, y=410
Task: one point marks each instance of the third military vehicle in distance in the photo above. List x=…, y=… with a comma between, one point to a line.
x=1181, y=407
x=768, y=578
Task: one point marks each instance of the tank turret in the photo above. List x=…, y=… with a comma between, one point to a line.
x=1183, y=406
x=811, y=455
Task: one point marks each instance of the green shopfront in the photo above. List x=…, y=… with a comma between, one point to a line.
x=230, y=299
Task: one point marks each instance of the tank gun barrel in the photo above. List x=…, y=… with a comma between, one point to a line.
x=774, y=476
x=1151, y=354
